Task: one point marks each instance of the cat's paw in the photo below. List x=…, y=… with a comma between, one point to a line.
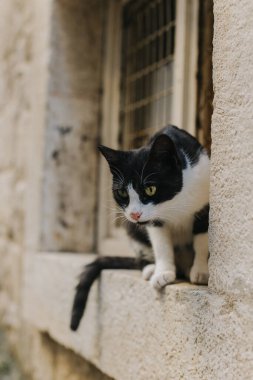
x=148, y=271
x=199, y=274
x=159, y=280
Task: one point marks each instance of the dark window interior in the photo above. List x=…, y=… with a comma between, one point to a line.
x=147, y=60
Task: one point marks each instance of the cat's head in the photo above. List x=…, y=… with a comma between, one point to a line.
x=144, y=178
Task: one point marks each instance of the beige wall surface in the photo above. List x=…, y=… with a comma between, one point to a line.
x=232, y=151
x=129, y=331
x=34, y=109
x=71, y=136
x=16, y=30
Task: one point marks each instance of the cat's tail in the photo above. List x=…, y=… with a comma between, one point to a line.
x=89, y=275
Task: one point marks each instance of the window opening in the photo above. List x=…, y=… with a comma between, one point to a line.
x=147, y=65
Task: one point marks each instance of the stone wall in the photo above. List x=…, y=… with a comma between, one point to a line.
x=231, y=233
x=49, y=119
x=15, y=118
x=129, y=331
x=71, y=137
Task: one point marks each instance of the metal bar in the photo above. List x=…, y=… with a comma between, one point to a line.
x=148, y=56
x=151, y=37
x=149, y=69
x=146, y=101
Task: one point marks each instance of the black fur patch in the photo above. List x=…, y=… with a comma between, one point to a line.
x=183, y=142
x=157, y=223
x=89, y=275
x=138, y=233
x=159, y=163
x=201, y=221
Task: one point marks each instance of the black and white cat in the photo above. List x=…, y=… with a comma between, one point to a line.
x=163, y=191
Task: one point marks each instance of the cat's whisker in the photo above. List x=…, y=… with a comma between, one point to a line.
x=149, y=175
x=112, y=208
x=113, y=214
x=120, y=219
x=143, y=171
x=119, y=182
x=118, y=173
x=125, y=221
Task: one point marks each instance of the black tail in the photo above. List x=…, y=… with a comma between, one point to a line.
x=89, y=275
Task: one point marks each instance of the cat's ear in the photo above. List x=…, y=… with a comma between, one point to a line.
x=111, y=155
x=163, y=145
x=163, y=148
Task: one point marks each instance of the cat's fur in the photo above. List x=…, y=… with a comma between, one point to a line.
x=169, y=227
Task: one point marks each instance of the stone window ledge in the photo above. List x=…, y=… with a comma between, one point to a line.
x=128, y=326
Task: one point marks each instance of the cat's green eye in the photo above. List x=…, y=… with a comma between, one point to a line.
x=122, y=193
x=150, y=190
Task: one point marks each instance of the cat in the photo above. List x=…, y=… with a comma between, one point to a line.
x=163, y=191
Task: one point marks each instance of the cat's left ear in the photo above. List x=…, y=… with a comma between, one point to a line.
x=111, y=155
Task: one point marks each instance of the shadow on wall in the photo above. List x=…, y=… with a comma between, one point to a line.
x=9, y=369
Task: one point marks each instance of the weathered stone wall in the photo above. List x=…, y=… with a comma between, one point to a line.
x=231, y=233
x=43, y=359
x=70, y=167
x=15, y=118
x=44, y=92
x=129, y=331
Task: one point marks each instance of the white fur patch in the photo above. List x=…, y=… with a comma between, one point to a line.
x=192, y=198
x=135, y=205
x=178, y=212
x=162, y=279
x=165, y=271
x=148, y=271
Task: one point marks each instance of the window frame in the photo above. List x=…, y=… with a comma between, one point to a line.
x=111, y=239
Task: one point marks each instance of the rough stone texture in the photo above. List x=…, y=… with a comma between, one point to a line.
x=129, y=331
x=9, y=370
x=132, y=332
x=68, y=210
x=24, y=92
x=15, y=117
x=15, y=103
x=231, y=232
x=69, y=184
x=48, y=360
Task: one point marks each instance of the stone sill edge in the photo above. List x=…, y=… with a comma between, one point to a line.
x=50, y=282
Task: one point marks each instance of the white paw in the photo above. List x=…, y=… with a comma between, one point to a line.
x=162, y=279
x=199, y=274
x=148, y=271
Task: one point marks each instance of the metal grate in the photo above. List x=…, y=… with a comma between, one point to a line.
x=147, y=56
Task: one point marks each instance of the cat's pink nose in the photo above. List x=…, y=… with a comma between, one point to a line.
x=135, y=215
